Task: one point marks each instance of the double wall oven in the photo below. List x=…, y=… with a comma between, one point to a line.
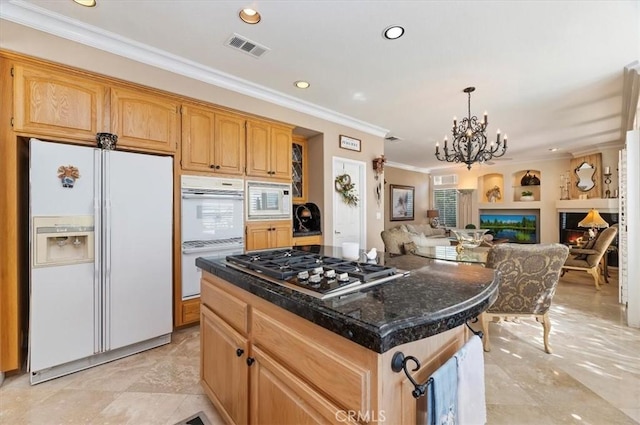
x=212, y=224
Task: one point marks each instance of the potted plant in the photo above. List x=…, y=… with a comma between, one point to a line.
x=527, y=195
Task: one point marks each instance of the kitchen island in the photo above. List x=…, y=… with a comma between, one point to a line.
x=273, y=355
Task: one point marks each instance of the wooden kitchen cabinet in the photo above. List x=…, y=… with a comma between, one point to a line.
x=268, y=234
x=145, y=120
x=280, y=397
x=212, y=141
x=253, y=379
x=299, y=182
x=268, y=150
x=51, y=103
x=307, y=240
x=225, y=376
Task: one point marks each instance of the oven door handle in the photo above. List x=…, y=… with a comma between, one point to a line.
x=208, y=196
x=208, y=249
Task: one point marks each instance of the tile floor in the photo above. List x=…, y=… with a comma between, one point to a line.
x=593, y=376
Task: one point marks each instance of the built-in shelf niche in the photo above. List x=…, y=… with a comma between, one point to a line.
x=519, y=177
x=488, y=183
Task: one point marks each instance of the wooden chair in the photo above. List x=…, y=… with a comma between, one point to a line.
x=589, y=259
x=529, y=276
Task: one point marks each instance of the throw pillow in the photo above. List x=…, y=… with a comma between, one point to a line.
x=410, y=247
x=403, y=227
x=428, y=231
x=412, y=229
x=589, y=245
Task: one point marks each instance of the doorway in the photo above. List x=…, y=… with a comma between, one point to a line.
x=349, y=221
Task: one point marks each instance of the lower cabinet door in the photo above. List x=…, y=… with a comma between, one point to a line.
x=280, y=397
x=224, y=370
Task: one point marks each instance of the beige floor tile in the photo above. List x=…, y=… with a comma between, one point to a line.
x=140, y=408
x=67, y=407
x=633, y=413
x=502, y=389
x=193, y=404
x=513, y=414
x=171, y=374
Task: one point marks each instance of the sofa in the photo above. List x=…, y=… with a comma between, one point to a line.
x=405, y=238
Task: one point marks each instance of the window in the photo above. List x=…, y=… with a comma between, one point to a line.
x=446, y=202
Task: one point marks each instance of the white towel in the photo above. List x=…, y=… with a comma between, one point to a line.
x=472, y=408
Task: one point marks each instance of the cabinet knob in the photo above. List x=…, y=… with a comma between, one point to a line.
x=212, y=166
x=250, y=361
x=239, y=352
x=217, y=167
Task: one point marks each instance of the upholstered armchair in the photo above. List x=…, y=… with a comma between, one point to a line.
x=529, y=276
x=588, y=258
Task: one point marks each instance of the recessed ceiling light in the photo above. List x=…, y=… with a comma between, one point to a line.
x=87, y=3
x=393, y=32
x=302, y=84
x=250, y=16
x=553, y=149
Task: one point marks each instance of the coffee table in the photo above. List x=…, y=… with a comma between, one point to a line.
x=448, y=253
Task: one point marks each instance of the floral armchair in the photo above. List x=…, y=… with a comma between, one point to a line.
x=529, y=276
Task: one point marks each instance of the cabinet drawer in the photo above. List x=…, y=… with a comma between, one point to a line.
x=190, y=311
x=307, y=240
x=337, y=378
x=225, y=305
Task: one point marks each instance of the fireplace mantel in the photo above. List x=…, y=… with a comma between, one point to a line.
x=601, y=204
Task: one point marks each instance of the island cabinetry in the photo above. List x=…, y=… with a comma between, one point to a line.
x=50, y=103
x=268, y=234
x=280, y=368
x=268, y=150
x=224, y=371
x=144, y=120
x=212, y=141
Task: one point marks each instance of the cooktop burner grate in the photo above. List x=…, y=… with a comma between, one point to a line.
x=283, y=264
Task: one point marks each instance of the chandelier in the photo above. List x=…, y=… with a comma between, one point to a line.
x=469, y=143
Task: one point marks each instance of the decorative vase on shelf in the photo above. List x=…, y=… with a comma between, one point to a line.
x=534, y=181
x=526, y=179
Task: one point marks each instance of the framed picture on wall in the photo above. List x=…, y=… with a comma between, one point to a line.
x=401, y=202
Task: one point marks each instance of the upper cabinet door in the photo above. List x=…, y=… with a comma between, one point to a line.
x=52, y=103
x=258, y=145
x=229, y=144
x=281, y=153
x=144, y=120
x=198, y=130
x=299, y=183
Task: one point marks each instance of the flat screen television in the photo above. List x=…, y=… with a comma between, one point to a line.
x=517, y=228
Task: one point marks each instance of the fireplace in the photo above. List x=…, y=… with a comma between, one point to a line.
x=570, y=231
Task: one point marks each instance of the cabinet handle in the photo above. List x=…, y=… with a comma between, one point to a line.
x=217, y=167
x=250, y=361
x=239, y=352
x=212, y=166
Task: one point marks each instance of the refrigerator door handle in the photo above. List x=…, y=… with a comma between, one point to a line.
x=97, y=264
x=107, y=251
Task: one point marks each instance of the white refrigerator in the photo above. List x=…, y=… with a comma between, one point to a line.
x=101, y=256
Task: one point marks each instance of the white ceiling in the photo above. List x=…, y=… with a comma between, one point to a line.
x=548, y=73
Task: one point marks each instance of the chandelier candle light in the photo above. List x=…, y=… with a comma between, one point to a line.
x=469, y=143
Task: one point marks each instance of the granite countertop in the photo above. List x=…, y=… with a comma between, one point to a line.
x=436, y=296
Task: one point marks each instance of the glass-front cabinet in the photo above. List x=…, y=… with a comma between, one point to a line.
x=299, y=182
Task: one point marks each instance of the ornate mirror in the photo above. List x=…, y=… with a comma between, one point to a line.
x=585, y=173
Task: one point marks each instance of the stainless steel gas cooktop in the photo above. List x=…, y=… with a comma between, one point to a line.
x=313, y=274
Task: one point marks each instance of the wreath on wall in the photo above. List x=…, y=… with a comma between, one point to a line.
x=345, y=188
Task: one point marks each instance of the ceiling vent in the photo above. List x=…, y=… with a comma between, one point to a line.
x=445, y=180
x=392, y=139
x=247, y=46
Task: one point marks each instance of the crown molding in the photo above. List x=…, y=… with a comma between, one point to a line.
x=407, y=167
x=30, y=15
